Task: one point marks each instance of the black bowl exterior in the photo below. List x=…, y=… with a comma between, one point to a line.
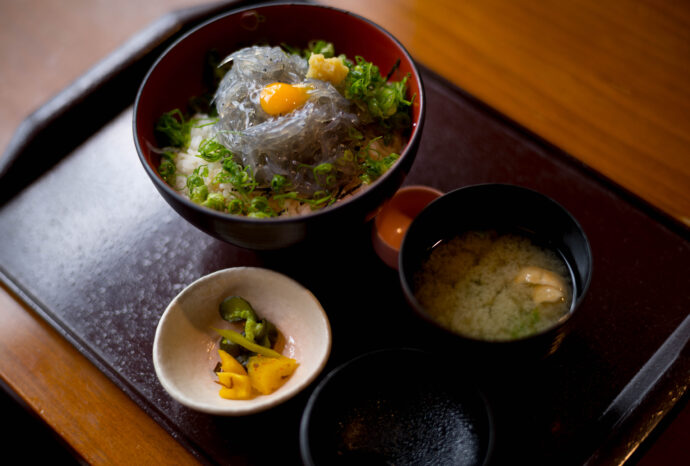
x=380, y=408
x=177, y=76
x=322, y=226
x=500, y=207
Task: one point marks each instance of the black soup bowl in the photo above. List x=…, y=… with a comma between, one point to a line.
x=178, y=75
x=500, y=208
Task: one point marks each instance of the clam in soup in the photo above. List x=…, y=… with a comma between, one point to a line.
x=494, y=286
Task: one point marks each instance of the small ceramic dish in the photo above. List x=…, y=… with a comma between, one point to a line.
x=185, y=347
x=380, y=408
x=391, y=223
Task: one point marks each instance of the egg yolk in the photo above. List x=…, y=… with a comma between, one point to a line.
x=281, y=98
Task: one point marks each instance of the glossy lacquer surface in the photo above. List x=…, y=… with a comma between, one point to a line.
x=604, y=80
x=128, y=245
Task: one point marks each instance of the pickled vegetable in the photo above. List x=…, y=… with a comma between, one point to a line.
x=249, y=365
x=244, y=342
x=236, y=308
x=235, y=386
x=269, y=374
x=230, y=364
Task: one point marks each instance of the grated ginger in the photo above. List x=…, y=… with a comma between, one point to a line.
x=332, y=70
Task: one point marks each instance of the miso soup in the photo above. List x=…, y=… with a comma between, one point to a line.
x=494, y=286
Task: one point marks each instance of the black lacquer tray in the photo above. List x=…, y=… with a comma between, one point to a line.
x=89, y=244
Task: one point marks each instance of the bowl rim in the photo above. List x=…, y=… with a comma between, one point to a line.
x=414, y=139
x=385, y=250
x=413, y=188
x=305, y=421
x=257, y=404
x=419, y=309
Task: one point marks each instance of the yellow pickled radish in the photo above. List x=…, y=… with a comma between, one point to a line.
x=269, y=374
x=230, y=364
x=235, y=386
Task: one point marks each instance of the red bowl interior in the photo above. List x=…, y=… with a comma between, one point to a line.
x=177, y=75
x=396, y=215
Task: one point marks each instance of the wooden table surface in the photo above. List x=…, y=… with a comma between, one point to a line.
x=608, y=82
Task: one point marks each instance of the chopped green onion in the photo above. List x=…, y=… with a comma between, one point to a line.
x=278, y=183
x=174, y=129
x=167, y=168
x=319, y=47
x=214, y=201
x=213, y=151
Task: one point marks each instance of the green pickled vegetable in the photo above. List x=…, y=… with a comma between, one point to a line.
x=240, y=353
x=245, y=343
x=236, y=309
x=261, y=331
x=265, y=333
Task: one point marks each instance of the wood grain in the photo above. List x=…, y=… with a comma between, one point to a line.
x=72, y=396
x=44, y=46
x=605, y=81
